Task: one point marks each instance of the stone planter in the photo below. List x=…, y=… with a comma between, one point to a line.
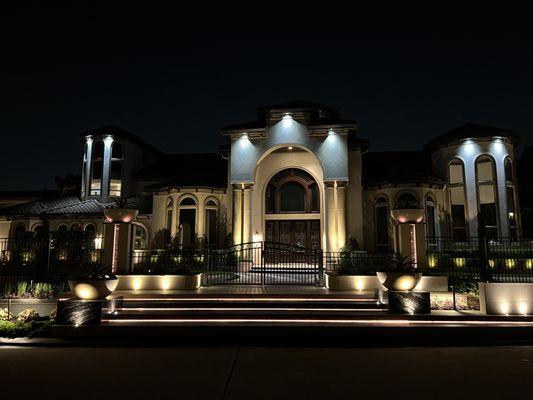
x=399, y=281
x=506, y=298
x=42, y=306
x=93, y=289
x=159, y=282
x=336, y=282
x=120, y=215
x=408, y=215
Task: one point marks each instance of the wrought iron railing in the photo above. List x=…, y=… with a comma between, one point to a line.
x=481, y=258
x=48, y=255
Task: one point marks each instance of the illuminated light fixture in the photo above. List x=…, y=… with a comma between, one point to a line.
x=331, y=131
x=432, y=261
x=244, y=135
x=522, y=308
x=505, y=308
x=529, y=263
x=509, y=263
x=492, y=263
x=136, y=284
x=256, y=237
x=165, y=283
x=289, y=148
x=459, y=261
x=98, y=242
x=286, y=115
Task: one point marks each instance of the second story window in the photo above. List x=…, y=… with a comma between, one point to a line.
x=97, y=168
x=456, y=190
x=486, y=193
x=115, y=172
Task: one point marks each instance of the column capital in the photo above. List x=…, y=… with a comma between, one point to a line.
x=336, y=184
x=242, y=186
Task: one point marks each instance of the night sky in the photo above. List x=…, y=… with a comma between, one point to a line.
x=174, y=77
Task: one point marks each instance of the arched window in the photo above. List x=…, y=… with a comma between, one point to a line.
x=292, y=191
x=115, y=175
x=486, y=196
x=62, y=228
x=187, y=221
x=97, y=168
x=407, y=200
x=511, y=198
x=90, y=229
x=431, y=217
x=140, y=237
x=456, y=190
x=211, y=212
x=382, y=223
x=169, y=211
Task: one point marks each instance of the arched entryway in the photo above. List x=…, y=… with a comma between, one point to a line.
x=292, y=209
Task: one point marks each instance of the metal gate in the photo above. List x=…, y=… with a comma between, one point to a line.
x=264, y=263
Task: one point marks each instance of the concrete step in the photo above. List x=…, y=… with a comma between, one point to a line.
x=238, y=308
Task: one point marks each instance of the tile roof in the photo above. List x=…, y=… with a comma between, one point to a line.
x=72, y=205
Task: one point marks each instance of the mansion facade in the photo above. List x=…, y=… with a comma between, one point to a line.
x=298, y=174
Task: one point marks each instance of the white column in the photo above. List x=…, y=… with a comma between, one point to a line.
x=108, y=141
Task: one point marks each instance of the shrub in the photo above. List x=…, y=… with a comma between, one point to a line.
x=22, y=329
x=27, y=315
x=5, y=315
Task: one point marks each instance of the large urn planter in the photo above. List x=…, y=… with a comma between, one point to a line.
x=93, y=289
x=399, y=281
x=120, y=215
x=408, y=215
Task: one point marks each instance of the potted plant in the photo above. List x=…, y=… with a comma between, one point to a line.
x=401, y=275
x=94, y=285
x=120, y=212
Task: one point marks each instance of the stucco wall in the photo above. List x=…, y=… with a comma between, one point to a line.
x=247, y=153
x=468, y=151
x=271, y=165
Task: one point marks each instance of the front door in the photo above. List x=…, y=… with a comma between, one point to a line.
x=301, y=233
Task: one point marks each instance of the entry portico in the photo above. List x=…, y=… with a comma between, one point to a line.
x=304, y=148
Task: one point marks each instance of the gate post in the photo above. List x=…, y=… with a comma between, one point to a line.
x=483, y=255
x=320, y=267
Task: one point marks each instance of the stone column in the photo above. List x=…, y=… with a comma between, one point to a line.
x=335, y=215
x=242, y=213
x=108, y=142
x=117, y=246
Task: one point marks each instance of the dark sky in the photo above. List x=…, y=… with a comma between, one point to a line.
x=175, y=76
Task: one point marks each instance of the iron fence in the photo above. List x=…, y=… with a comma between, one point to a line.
x=48, y=255
x=357, y=262
x=163, y=261
x=481, y=258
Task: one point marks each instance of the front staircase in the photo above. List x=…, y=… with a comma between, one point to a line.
x=206, y=309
